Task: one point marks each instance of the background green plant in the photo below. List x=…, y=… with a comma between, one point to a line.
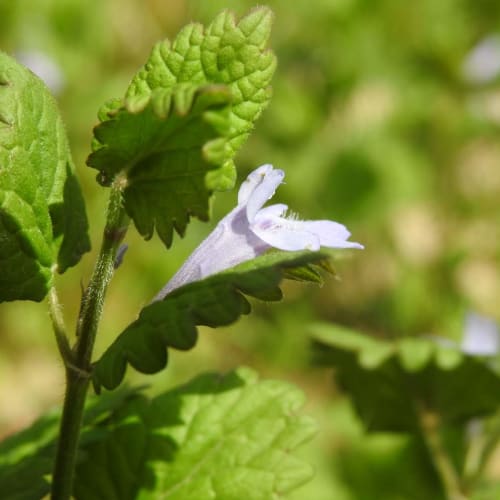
x=375, y=126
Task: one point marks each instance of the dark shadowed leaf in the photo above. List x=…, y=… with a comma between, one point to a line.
x=390, y=382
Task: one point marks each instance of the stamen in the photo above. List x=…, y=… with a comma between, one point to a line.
x=292, y=216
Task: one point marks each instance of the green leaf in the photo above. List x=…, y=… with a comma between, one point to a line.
x=215, y=301
x=194, y=102
x=380, y=465
x=228, y=53
x=42, y=214
x=232, y=435
x=166, y=164
x=30, y=453
x=225, y=437
x=389, y=381
x=488, y=489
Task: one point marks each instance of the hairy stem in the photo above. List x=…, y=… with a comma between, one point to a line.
x=58, y=325
x=79, y=367
x=429, y=426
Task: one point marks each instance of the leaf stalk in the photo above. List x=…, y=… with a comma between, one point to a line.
x=450, y=480
x=56, y=316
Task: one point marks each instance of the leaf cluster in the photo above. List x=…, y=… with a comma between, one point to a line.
x=230, y=436
x=393, y=382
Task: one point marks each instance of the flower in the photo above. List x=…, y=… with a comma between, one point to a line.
x=481, y=336
x=250, y=229
x=482, y=64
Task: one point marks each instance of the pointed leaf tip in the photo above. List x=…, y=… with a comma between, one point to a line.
x=257, y=25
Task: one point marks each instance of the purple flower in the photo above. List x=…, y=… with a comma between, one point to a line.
x=250, y=229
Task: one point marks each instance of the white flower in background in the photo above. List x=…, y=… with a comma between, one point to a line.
x=481, y=336
x=250, y=229
x=482, y=63
x=44, y=67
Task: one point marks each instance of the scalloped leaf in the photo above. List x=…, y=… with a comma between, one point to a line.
x=389, y=380
x=165, y=165
x=42, y=213
x=229, y=436
x=233, y=435
x=214, y=301
x=227, y=54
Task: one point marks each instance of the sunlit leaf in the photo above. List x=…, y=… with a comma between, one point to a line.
x=172, y=138
x=43, y=225
x=229, y=436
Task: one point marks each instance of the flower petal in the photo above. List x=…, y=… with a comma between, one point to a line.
x=271, y=211
x=331, y=234
x=284, y=234
x=251, y=182
x=264, y=190
x=289, y=234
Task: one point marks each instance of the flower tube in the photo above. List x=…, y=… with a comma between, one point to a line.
x=250, y=229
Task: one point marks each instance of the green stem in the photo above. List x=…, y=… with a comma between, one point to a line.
x=429, y=426
x=473, y=463
x=78, y=370
x=58, y=326
x=481, y=448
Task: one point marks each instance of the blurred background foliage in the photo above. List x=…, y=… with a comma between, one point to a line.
x=384, y=118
